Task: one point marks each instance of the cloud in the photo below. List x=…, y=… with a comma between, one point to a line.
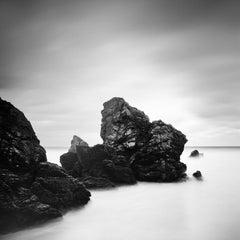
x=61, y=60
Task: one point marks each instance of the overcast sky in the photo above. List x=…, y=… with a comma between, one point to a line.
x=178, y=61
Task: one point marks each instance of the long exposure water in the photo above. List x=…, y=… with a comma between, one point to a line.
x=207, y=209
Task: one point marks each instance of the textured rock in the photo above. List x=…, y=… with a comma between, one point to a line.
x=97, y=182
x=77, y=141
x=133, y=149
x=53, y=186
x=19, y=146
x=98, y=166
x=123, y=126
x=99, y=162
x=31, y=189
x=197, y=174
x=71, y=164
x=153, y=149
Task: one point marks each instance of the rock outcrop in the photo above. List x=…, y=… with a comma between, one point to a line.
x=98, y=167
x=133, y=149
x=153, y=148
x=32, y=190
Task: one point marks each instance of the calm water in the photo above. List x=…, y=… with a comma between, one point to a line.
x=208, y=209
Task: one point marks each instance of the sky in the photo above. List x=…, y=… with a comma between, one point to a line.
x=176, y=60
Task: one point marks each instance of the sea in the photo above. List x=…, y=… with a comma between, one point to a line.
x=208, y=209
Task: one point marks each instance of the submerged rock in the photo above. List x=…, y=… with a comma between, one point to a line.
x=133, y=148
x=32, y=190
x=197, y=174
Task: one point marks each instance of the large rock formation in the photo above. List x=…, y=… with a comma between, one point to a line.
x=153, y=148
x=133, y=149
x=32, y=190
x=98, y=166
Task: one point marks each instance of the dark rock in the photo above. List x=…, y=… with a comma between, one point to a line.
x=153, y=149
x=123, y=127
x=31, y=189
x=133, y=149
x=19, y=147
x=97, y=182
x=71, y=164
x=99, y=162
x=197, y=174
x=55, y=187
x=77, y=141
x=97, y=166
x=195, y=153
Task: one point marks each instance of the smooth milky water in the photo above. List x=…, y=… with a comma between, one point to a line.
x=208, y=209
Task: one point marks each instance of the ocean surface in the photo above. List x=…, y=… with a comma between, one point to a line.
x=190, y=210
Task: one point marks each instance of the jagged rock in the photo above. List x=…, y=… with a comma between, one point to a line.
x=195, y=153
x=19, y=146
x=53, y=186
x=19, y=207
x=197, y=174
x=133, y=148
x=123, y=127
x=77, y=141
x=71, y=164
x=99, y=162
x=98, y=166
x=153, y=149
x=31, y=189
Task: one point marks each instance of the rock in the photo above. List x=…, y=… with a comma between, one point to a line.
x=99, y=162
x=31, y=189
x=19, y=147
x=53, y=186
x=97, y=166
x=153, y=149
x=133, y=149
x=77, y=141
x=122, y=126
x=197, y=174
x=71, y=164
x=97, y=182
x=195, y=153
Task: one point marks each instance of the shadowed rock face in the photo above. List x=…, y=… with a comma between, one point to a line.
x=19, y=146
x=98, y=166
x=133, y=149
x=122, y=126
x=153, y=148
x=32, y=190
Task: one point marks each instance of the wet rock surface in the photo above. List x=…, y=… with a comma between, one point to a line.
x=133, y=149
x=32, y=190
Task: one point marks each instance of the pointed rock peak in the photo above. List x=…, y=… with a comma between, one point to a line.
x=77, y=141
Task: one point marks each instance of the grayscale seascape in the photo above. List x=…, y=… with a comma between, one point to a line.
x=119, y=120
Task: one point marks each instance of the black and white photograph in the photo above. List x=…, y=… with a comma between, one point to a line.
x=119, y=119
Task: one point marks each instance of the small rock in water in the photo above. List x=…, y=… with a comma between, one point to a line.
x=197, y=174
x=195, y=153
